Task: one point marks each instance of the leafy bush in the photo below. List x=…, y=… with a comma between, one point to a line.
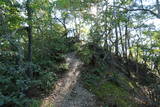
x=47, y=80
x=15, y=82
x=84, y=52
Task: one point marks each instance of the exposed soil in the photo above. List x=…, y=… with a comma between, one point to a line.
x=68, y=91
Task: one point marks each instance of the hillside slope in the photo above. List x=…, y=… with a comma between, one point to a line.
x=119, y=82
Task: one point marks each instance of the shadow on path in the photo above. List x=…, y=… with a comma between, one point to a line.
x=68, y=91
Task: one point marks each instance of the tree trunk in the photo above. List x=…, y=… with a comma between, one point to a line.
x=29, y=31
x=116, y=30
x=158, y=7
x=116, y=42
x=121, y=37
x=126, y=38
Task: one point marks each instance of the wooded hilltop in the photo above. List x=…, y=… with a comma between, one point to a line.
x=118, y=42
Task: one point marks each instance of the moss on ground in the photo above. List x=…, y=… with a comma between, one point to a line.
x=110, y=93
x=112, y=90
x=41, y=103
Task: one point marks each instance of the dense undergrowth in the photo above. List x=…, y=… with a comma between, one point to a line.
x=118, y=81
x=19, y=89
x=121, y=51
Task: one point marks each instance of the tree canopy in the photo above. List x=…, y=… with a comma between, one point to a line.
x=35, y=36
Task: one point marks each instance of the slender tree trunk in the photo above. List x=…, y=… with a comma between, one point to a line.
x=116, y=30
x=141, y=4
x=108, y=33
x=126, y=38
x=116, y=42
x=50, y=17
x=129, y=46
x=137, y=51
x=158, y=7
x=29, y=31
x=121, y=37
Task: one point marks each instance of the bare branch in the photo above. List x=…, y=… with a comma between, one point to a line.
x=138, y=9
x=146, y=10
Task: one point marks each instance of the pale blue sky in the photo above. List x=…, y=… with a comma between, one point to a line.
x=93, y=11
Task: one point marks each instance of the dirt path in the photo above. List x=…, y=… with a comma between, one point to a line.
x=68, y=91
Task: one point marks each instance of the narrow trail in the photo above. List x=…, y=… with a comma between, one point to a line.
x=68, y=91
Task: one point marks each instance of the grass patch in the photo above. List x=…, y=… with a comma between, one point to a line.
x=112, y=90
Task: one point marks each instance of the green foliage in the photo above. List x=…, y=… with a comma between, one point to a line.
x=110, y=90
x=75, y=4
x=84, y=52
x=113, y=86
x=49, y=47
x=64, y=4
x=35, y=103
x=47, y=80
x=50, y=43
x=110, y=93
x=15, y=82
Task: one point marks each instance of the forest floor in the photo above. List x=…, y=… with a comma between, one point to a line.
x=68, y=91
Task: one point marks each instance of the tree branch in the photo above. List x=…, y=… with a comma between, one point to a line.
x=146, y=10
x=139, y=9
